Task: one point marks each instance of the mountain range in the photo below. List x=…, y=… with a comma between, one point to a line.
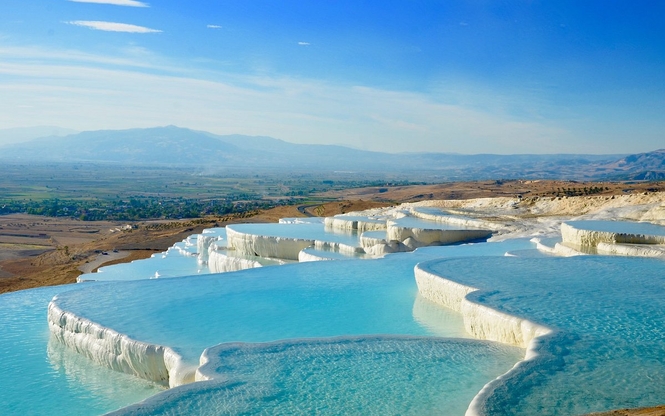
x=175, y=146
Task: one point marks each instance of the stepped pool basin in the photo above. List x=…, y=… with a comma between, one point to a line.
x=429, y=211
x=39, y=377
x=595, y=236
x=303, y=231
x=321, y=299
x=171, y=263
x=413, y=222
x=622, y=227
x=607, y=316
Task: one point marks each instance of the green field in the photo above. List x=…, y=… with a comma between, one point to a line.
x=116, y=192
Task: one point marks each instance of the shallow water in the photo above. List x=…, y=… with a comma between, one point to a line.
x=318, y=299
x=307, y=231
x=42, y=378
x=365, y=375
x=624, y=227
x=375, y=234
x=610, y=316
x=168, y=264
x=335, y=255
x=430, y=210
x=412, y=222
x=68, y=383
x=528, y=253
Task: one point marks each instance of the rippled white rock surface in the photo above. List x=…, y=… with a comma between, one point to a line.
x=424, y=232
x=607, y=316
x=357, y=223
x=286, y=240
x=445, y=216
x=586, y=235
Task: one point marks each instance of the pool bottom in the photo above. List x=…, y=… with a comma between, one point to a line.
x=343, y=375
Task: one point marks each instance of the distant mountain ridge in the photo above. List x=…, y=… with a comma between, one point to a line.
x=173, y=145
x=24, y=134
x=167, y=145
x=641, y=166
x=177, y=146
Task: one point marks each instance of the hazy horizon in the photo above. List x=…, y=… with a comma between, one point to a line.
x=20, y=135
x=467, y=78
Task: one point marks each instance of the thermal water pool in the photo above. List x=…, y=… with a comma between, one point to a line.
x=622, y=227
x=259, y=305
x=320, y=299
x=303, y=231
x=39, y=377
x=380, y=375
x=607, y=348
x=419, y=223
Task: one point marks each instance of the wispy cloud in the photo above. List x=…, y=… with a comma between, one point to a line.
x=214, y=27
x=89, y=97
x=112, y=26
x=87, y=92
x=304, y=43
x=130, y=3
x=130, y=56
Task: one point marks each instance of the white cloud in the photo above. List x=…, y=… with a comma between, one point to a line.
x=303, y=43
x=214, y=27
x=130, y=3
x=112, y=26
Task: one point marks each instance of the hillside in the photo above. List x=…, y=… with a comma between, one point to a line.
x=643, y=166
x=175, y=146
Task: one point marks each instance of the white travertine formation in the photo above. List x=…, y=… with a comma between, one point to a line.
x=282, y=247
x=349, y=223
x=542, y=246
x=565, y=251
x=655, y=215
x=433, y=236
x=456, y=220
x=220, y=262
x=203, y=243
x=482, y=322
x=379, y=250
x=266, y=246
x=557, y=249
x=635, y=250
x=183, y=251
x=589, y=239
x=305, y=256
x=338, y=247
x=116, y=351
x=367, y=240
x=479, y=320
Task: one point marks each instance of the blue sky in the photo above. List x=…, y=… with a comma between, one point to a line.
x=445, y=76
